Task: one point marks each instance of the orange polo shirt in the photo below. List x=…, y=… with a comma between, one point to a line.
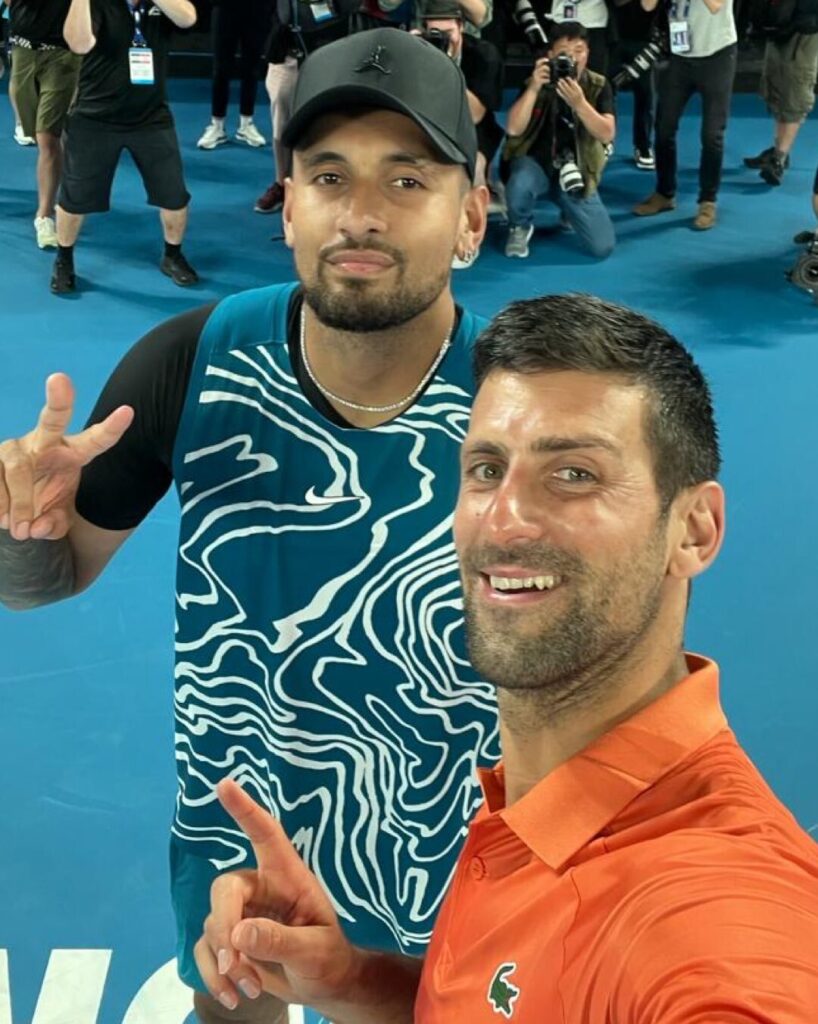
x=652, y=879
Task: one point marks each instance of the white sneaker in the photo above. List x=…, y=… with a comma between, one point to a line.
x=518, y=239
x=466, y=261
x=21, y=138
x=46, y=232
x=251, y=135
x=214, y=135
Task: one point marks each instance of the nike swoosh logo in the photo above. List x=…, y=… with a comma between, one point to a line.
x=312, y=498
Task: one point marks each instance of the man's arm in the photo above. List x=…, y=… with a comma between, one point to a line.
x=520, y=112
x=476, y=108
x=714, y=6
x=181, y=12
x=78, y=30
x=601, y=126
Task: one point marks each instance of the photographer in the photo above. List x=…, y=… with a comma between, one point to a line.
x=702, y=59
x=559, y=130
x=122, y=104
x=788, y=77
x=482, y=67
x=635, y=29
x=475, y=14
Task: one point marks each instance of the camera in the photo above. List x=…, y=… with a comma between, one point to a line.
x=804, y=274
x=562, y=66
x=438, y=38
x=655, y=51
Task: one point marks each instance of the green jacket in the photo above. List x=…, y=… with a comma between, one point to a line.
x=592, y=155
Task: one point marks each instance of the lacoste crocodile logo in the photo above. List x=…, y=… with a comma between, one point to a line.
x=502, y=993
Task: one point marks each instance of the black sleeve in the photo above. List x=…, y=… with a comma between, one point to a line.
x=483, y=70
x=605, y=100
x=118, y=489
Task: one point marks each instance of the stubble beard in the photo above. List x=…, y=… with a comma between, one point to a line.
x=570, y=660
x=355, y=307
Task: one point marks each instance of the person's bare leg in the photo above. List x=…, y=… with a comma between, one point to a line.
x=174, y=225
x=815, y=204
x=68, y=227
x=785, y=134
x=49, y=167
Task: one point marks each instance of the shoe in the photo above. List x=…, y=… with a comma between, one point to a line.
x=251, y=135
x=644, y=159
x=179, y=270
x=805, y=237
x=773, y=172
x=706, y=217
x=764, y=157
x=21, y=138
x=46, y=232
x=466, y=260
x=271, y=200
x=63, y=279
x=517, y=241
x=656, y=203
x=214, y=135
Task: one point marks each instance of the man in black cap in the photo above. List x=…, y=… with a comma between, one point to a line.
x=312, y=431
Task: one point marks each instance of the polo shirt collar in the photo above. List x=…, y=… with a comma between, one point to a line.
x=572, y=804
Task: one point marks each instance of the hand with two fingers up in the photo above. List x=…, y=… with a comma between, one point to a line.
x=40, y=472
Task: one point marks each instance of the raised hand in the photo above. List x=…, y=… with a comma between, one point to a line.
x=273, y=929
x=40, y=472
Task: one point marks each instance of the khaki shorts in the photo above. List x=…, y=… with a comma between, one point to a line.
x=44, y=83
x=788, y=77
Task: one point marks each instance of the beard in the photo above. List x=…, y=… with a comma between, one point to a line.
x=566, y=658
x=357, y=307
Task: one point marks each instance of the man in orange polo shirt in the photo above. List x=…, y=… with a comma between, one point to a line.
x=630, y=865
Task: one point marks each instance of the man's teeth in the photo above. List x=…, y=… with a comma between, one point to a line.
x=523, y=582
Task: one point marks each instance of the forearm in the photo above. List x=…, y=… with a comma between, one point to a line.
x=35, y=572
x=476, y=11
x=476, y=108
x=714, y=6
x=602, y=127
x=649, y=5
x=383, y=991
x=519, y=115
x=78, y=29
x=181, y=12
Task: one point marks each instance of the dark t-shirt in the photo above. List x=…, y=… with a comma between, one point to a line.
x=557, y=133
x=38, y=22
x=482, y=68
x=105, y=91
x=118, y=489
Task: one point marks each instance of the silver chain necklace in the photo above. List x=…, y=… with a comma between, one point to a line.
x=444, y=348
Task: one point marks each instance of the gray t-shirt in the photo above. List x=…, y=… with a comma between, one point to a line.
x=590, y=13
x=709, y=32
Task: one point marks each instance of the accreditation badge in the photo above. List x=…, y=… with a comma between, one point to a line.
x=679, y=37
x=140, y=59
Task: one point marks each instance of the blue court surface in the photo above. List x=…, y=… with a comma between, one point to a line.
x=86, y=738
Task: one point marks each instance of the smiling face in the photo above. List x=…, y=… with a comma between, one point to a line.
x=562, y=542
x=373, y=217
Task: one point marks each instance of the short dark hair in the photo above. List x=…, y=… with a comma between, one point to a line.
x=585, y=333
x=567, y=30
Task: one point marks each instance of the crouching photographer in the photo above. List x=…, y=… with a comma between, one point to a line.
x=559, y=133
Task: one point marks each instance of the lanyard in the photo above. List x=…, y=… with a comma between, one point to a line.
x=136, y=12
x=678, y=14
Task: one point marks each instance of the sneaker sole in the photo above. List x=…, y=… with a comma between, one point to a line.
x=253, y=145
x=273, y=209
x=211, y=145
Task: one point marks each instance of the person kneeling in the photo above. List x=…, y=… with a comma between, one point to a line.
x=559, y=131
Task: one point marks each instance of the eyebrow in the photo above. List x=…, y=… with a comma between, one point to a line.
x=402, y=157
x=547, y=445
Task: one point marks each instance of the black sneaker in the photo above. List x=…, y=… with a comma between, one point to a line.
x=179, y=270
x=773, y=172
x=757, y=162
x=63, y=278
x=805, y=237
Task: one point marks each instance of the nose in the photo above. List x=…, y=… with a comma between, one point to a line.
x=361, y=212
x=516, y=512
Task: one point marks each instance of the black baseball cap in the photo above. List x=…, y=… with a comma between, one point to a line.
x=441, y=9
x=388, y=69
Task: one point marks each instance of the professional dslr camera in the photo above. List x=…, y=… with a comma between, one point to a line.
x=805, y=272
x=437, y=37
x=656, y=50
x=562, y=66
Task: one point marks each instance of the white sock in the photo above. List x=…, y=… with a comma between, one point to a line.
x=218, y=122
x=245, y=120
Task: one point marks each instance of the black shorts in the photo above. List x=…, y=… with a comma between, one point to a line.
x=92, y=152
